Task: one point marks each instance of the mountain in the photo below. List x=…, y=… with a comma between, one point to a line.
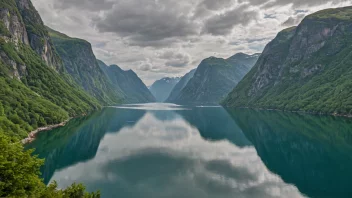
x=162, y=88
x=180, y=85
x=81, y=64
x=305, y=68
x=33, y=92
x=133, y=88
x=215, y=78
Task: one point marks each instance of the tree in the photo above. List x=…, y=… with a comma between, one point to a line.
x=19, y=175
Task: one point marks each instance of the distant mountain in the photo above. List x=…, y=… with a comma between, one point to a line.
x=81, y=64
x=133, y=88
x=215, y=78
x=305, y=68
x=161, y=89
x=180, y=85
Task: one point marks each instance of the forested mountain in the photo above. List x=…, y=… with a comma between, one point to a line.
x=305, y=68
x=215, y=78
x=80, y=63
x=180, y=85
x=33, y=92
x=133, y=88
x=162, y=88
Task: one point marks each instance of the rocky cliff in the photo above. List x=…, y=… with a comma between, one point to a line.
x=305, y=68
x=215, y=78
x=133, y=88
x=162, y=88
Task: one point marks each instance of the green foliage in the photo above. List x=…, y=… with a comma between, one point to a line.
x=10, y=49
x=24, y=110
x=82, y=66
x=19, y=175
x=333, y=13
x=47, y=83
x=11, y=6
x=47, y=99
x=3, y=30
x=18, y=170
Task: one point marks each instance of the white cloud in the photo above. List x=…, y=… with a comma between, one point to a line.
x=133, y=33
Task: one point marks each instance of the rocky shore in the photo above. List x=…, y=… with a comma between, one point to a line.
x=33, y=134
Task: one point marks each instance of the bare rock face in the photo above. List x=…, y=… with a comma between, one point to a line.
x=14, y=25
x=38, y=36
x=305, y=68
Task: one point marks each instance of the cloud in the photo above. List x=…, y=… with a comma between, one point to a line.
x=130, y=32
x=94, y=5
x=294, y=20
x=223, y=24
x=175, y=58
x=147, y=21
x=177, y=164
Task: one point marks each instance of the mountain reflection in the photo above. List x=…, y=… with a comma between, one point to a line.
x=215, y=123
x=311, y=152
x=79, y=140
x=176, y=152
x=169, y=151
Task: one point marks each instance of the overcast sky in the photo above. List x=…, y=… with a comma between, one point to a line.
x=167, y=38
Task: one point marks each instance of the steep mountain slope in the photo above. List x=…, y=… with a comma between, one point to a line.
x=132, y=86
x=162, y=88
x=215, y=78
x=32, y=93
x=38, y=36
x=305, y=68
x=180, y=85
x=81, y=64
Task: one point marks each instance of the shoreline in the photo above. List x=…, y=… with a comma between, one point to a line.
x=32, y=135
x=300, y=112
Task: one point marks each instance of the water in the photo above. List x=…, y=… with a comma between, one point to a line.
x=161, y=150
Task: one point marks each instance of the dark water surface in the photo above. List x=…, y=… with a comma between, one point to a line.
x=161, y=150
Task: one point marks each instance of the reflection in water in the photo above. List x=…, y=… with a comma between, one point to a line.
x=311, y=152
x=215, y=124
x=197, y=152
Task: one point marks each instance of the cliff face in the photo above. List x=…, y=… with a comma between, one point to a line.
x=33, y=93
x=81, y=64
x=38, y=36
x=305, y=68
x=180, y=85
x=132, y=86
x=215, y=78
x=162, y=88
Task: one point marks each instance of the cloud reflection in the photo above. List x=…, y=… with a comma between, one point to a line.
x=169, y=158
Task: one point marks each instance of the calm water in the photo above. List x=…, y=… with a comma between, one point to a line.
x=160, y=150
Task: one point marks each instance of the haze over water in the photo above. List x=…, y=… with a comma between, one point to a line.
x=164, y=150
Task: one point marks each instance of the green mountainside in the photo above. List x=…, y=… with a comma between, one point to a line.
x=215, y=78
x=180, y=85
x=133, y=88
x=33, y=93
x=306, y=68
x=80, y=63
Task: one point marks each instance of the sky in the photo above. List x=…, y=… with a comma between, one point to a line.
x=168, y=38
